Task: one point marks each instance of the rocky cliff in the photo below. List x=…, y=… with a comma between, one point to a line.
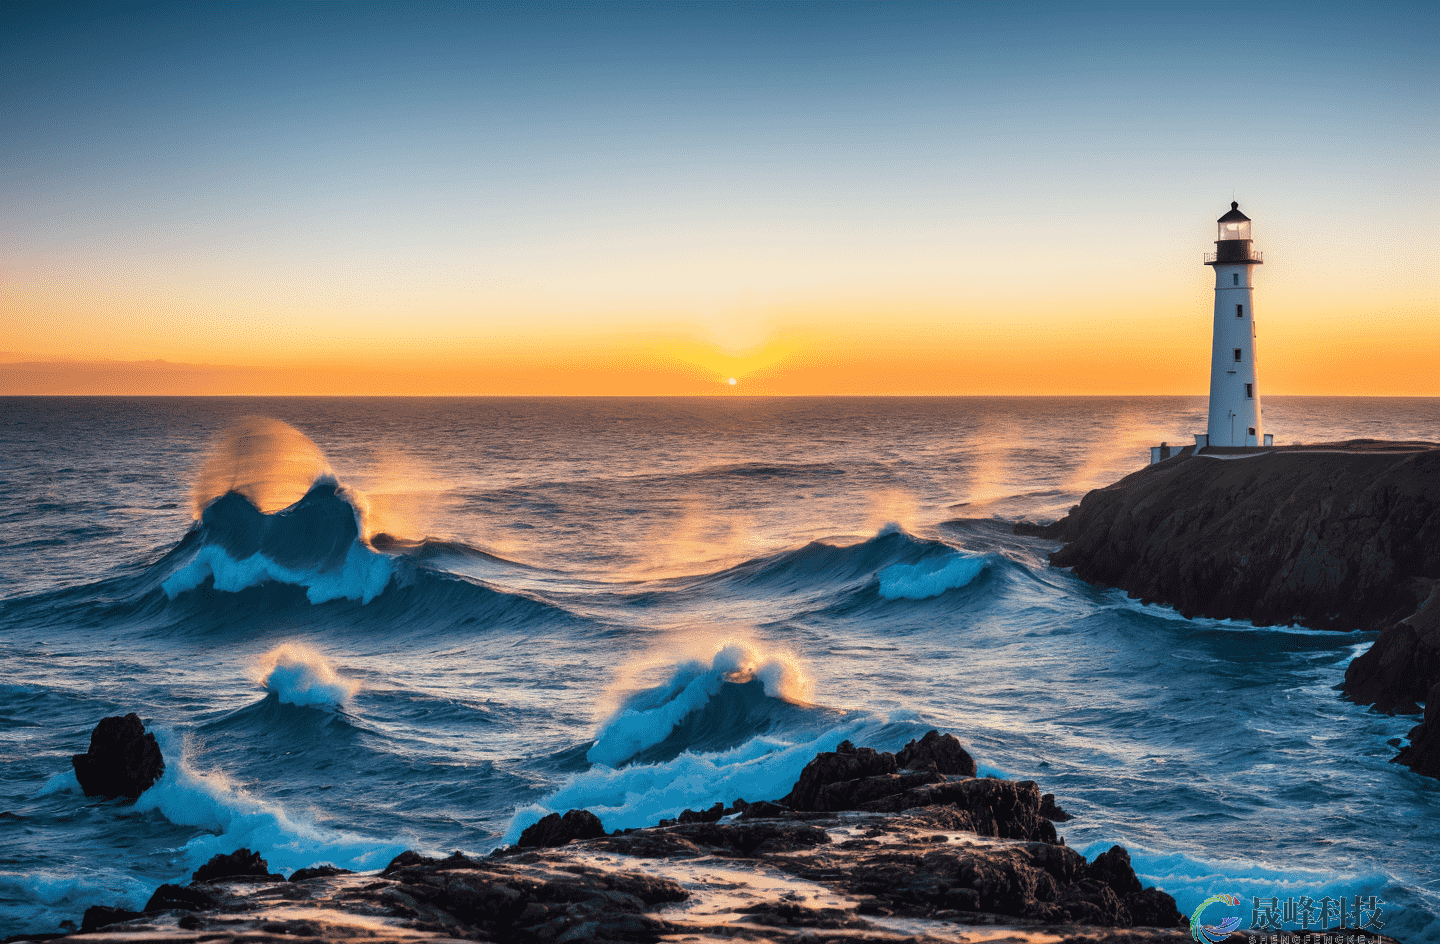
x=1340, y=536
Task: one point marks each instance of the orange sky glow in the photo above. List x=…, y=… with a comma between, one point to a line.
x=931, y=200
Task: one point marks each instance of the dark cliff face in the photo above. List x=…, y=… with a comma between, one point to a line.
x=1337, y=537
x=1330, y=540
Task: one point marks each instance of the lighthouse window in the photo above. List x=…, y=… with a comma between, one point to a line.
x=1239, y=311
x=1237, y=354
x=1236, y=277
x=1249, y=391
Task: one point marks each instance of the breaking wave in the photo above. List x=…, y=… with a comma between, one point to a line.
x=315, y=543
x=298, y=675
x=702, y=705
x=761, y=768
x=930, y=578
x=231, y=818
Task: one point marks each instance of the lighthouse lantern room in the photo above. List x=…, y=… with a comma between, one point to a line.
x=1235, y=415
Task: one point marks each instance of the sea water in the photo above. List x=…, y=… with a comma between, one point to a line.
x=434, y=620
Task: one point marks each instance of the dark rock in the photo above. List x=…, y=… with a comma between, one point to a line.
x=1422, y=754
x=1332, y=539
x=1063, y=864
x=101, y=916
x=498, y=900
x=1050, y=811
x=318, y=871
x=762, y=809
x=744, y=838
x=405, y=860
x=853, y=794
x=1002, y=808
x=241, y=862
x=123, y=760
x=1404, y=663
x=410, y=859
x=1152, y=908
x=1089, y=901
x=703, y=816
x=1113, y=868
x=190, y=898
x=649, y=844
x=836, y=767
x=557, y=830
x=786, y=914
x=938, y=752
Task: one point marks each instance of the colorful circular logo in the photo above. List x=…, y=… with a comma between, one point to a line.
x=1214, y=933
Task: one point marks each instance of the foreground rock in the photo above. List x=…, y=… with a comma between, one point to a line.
x=556, y=830
x=1423, y=752
x=1343, y=537
x=123, y=760
x=242, y=863
x=916, y=860
x=859, y=877
x=870, y=847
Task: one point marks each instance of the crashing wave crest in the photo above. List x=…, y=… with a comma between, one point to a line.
x=649, y=717
x=930, y=578
x=298, y=675
x=315, y=543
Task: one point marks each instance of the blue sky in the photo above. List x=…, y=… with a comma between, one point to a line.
x=703, y=165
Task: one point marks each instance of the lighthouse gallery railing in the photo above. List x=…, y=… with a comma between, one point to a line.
x=1254, y=255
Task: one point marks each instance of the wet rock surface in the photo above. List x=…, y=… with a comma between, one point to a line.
x=1342, y=536
x=925, y=861
x=123, y=760
x=941, y=753
x=240, y=864
x=556, y=830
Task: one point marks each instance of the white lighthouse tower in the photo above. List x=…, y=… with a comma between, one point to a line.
x=1234, y=391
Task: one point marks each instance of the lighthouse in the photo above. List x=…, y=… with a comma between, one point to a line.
x=1234, y=390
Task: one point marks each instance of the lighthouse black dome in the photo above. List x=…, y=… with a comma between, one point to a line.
x=1234, y=216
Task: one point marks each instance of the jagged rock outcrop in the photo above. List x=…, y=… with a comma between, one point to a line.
x=318, y=871
x=242, y=863
x=102, y=916
x=914, y=870
x=986, y=806
x=844, y=765
x=183, y=898
x=123, y=760
x=1422, y=754
x=941, y=753
x=556, y=830
x=1403, y=665
x=1343, y=536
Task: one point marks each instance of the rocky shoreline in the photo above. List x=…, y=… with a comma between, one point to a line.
x=868, y=846
x=1338, y=536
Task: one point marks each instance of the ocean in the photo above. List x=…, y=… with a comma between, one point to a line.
x=483, y=610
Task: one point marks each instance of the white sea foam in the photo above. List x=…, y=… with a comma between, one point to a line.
x=298, y=675
x=762, y=768
x=1191, y=880
x=648, y=717
x=63, y=782
x=363, y=576
x=74, y=889
x=232, y=818
x=930, y=578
